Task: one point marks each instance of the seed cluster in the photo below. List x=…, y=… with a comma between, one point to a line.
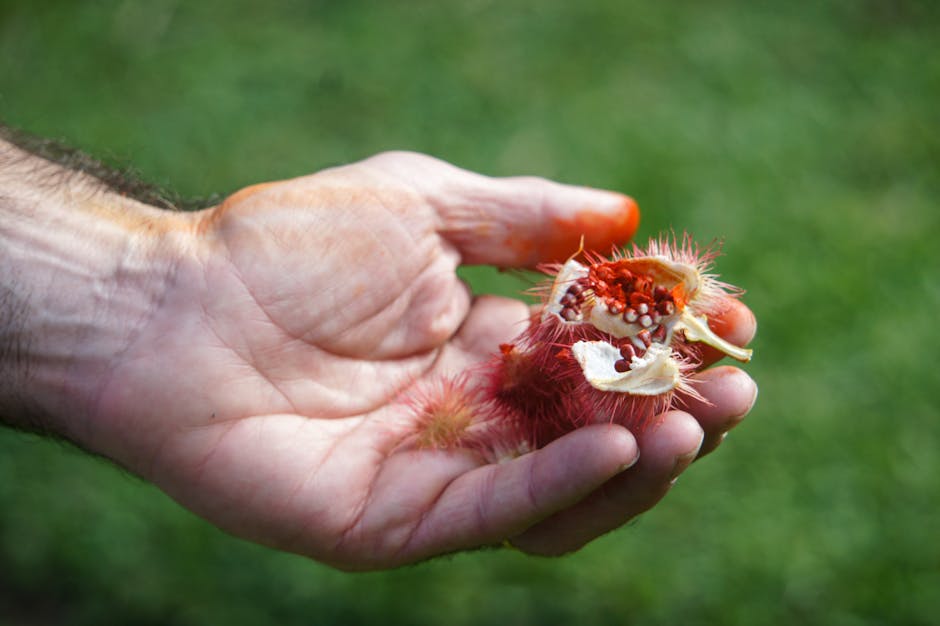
x=571, y=302
x=638, y=300
x=633, y=296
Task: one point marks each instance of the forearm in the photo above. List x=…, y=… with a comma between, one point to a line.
x=81, y=269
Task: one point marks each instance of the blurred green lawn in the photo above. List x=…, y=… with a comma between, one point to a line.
x=804, y=133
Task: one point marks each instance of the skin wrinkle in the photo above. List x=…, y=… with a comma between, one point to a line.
x=293, y=538
x=290, y=540
x=530, y=484
x=393, y=309
x=453, y=223
x=482, y=515
x=200, y=466
x=419, y=525
x=431, y=356
x=169, y=283
x=455, y=302
x=359, y=512
x=249, y=361
x=84, y=332
x=240, y=357
x=394, y=448
x=484, y=500
x=470, y=219
x=399, y=303
x=244, y=422
x=414, y=238
x=355, y=522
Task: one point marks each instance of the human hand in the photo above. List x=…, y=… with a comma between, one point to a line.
x=262, y=390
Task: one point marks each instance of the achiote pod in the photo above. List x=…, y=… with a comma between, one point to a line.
x=614, y=341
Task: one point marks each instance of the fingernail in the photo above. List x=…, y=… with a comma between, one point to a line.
x=629, y=464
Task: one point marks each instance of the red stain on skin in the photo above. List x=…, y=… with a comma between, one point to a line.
x=734, y=323
x=601, y=231
x=243, y=194
x=209, y=218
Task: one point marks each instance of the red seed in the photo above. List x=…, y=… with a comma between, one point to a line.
x=627, y=351
x=645, y=337
x=621, y=366
x=630, y=316
x=646, y=321
x=615, y=308
x=576, y=289
x=659, y=334
x=642, y=308
x=666, y=307
x=656, y=316
x=568, y=299
x=660, y=292
x=569, y=314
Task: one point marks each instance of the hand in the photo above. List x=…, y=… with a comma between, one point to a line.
x=262, y=391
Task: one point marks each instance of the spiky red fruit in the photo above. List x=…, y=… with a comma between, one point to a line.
x=612, y=343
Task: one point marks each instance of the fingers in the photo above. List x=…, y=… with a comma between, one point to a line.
x=514, y=222
x=731, y=393
x=666, y=450
x=492, y=502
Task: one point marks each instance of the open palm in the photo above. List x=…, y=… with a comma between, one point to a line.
x=264, y=391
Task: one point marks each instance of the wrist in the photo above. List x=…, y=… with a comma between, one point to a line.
x=84, y=269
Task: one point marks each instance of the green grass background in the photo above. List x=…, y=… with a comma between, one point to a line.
x=804, y=133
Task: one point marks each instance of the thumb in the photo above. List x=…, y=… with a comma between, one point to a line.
x=519, y=221
x=524, y=221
